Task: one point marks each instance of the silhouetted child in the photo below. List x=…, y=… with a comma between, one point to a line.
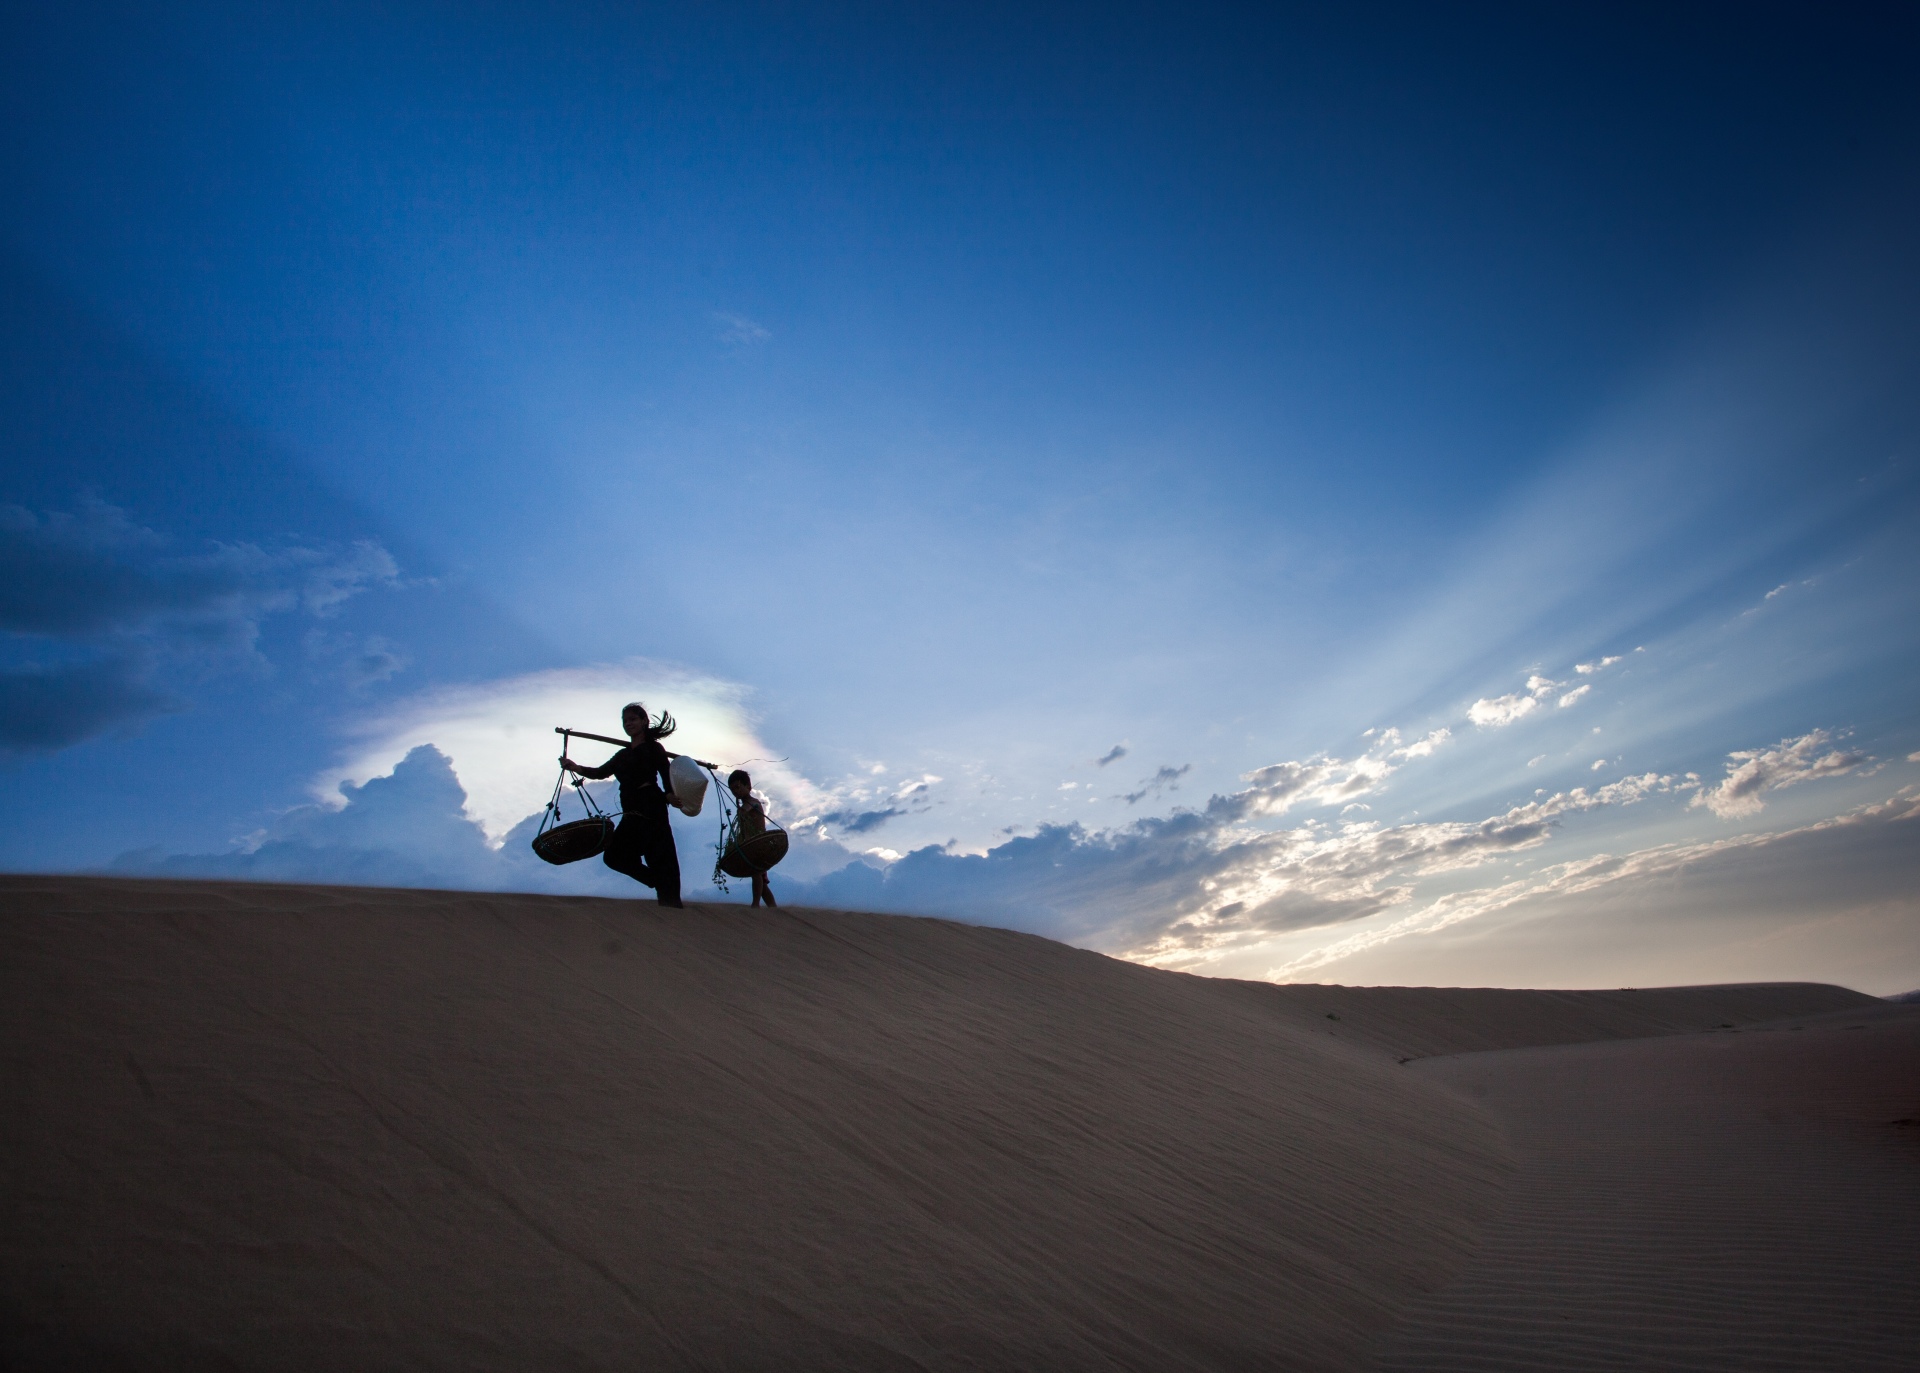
x=749, y=822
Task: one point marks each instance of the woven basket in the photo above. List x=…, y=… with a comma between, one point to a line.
x=576, y=839
x=745, y=857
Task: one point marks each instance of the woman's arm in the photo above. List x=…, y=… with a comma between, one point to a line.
x=664, y=768
x=605, y=770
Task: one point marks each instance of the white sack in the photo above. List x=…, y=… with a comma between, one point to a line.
x=689, y=784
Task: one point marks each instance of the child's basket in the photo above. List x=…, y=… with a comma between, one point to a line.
x=745, y=857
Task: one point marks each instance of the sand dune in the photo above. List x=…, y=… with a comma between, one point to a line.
x=299, y=1127
x=1742, y=1201
x=1418, y=1022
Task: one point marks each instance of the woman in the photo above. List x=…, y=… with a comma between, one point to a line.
x=642, y=845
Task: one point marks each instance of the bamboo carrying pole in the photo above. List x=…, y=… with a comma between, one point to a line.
x=570, y=734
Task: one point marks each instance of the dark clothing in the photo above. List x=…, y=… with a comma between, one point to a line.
x=642, y=845
x=641, y=768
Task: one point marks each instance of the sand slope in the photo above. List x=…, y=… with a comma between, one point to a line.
x=1739, y=1201
x=1418, y=1022
x=299, y=1127
x=327, y=1128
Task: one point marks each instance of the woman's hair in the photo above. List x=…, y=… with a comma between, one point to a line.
x=658, y=729
x=739, y=775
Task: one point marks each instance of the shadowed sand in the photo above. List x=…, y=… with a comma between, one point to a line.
x=302, y=1127
x=1744, y=1201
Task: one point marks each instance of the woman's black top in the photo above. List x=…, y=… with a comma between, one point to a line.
x=641, y=769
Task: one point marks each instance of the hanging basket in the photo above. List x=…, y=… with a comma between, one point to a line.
x=576, y=839
x=745, y=857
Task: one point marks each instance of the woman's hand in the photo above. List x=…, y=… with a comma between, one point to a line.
x=570, y=766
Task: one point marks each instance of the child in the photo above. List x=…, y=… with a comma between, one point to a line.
x=749, y=822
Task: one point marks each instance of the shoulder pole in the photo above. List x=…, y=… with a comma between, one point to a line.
x=622, y=743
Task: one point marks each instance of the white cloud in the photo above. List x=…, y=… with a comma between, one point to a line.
x=1536, y=760
x=1578, y=877
x=1420, y=748
x=1572, y=696
x=499, y=735
x=1495, y=711
x=1259, y=884
x=1752, y=773
x=1598, y=763
x=1588, y=669
x=1185, y=889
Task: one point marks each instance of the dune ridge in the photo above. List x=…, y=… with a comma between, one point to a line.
x=308, y=1127
x=1420, y=1022
x=305, y=1127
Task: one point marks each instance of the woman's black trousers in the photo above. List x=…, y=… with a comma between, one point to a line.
x=642, y=846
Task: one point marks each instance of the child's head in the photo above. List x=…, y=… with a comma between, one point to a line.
x=739, y=783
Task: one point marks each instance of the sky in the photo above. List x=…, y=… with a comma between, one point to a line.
x=1392, y=495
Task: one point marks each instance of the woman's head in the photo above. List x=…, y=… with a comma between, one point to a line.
x=633, y=719
x=739, y=783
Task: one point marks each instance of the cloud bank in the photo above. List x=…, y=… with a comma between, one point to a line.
x=444, y=790
x=97, y=613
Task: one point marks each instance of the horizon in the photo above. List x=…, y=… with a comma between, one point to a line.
x=1374, y=498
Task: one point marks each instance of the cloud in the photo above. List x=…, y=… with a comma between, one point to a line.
x=1279, y=787
x=1588, y=669
x=359, y=662
x=1181, y=889
x=405, y=829
x=44, y=709
x=1589, y=875
x=412, y=827
x=910, y=799
x=94, y=609
x=1752, y=773
x=1495, y=711
x=741, y=332
x=849, y=822
x=1167, y=778
x=75, y=575
x=1112, y=755
x=499, y=735
x=1419, y=748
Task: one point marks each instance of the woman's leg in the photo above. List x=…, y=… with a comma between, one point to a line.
x=663, y=860
x=625, y=851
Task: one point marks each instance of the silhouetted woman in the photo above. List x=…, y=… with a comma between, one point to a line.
x=642, y=844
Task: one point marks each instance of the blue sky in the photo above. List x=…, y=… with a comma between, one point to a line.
x=1284, y=407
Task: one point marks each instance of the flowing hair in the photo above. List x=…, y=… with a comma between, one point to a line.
x=656, y=729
